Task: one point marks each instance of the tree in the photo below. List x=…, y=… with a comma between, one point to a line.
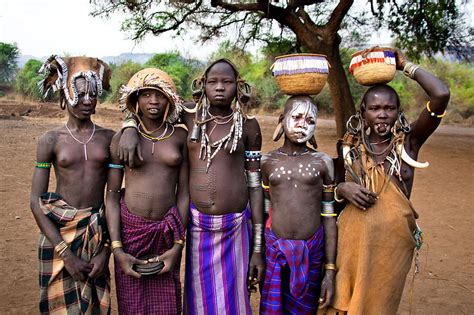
x=26, y=82
x=8, y=65
x=181, y=70
x=313, y=26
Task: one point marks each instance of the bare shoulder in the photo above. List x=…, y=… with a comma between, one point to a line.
x=187, y=117
x=47, y=144
x=252, y=134
x=269, y=159
x=50, y=137
x=251, y=124
x=180, y=133
x=321, y=155
x=105, y=132
x=327, y=161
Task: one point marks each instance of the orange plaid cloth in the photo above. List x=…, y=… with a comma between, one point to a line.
x=85, y=232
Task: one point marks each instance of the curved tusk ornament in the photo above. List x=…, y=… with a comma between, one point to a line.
x=345, y=154
x=407, y=159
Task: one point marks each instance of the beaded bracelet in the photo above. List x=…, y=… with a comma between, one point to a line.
x=42, y=164
x=118, y=166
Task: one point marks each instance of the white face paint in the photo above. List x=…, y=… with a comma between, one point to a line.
x=300, y=121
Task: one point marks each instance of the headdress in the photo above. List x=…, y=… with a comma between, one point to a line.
x=210, y=149
x=152, y=78
x=61, y=74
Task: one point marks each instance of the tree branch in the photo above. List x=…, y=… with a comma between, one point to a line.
x=338, y=15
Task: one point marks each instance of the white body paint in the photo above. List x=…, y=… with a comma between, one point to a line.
x=300, y=122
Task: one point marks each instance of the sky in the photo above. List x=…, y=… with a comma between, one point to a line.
x=43, y=27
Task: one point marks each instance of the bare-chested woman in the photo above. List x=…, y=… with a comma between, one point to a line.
x=147, y=223
x=73, y=258
x=377, y=229
x=224, y=145
x=301, y=232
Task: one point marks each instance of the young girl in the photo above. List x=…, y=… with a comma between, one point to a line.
x=73, y=258
x=147, y=220
x=224, y=158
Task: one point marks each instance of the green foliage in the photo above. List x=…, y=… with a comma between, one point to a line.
x=26, y=82
x=8, y=66
x=181, y=70
x=120, y=76
x=425, y=27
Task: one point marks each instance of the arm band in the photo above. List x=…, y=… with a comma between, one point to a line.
x=267, y=204
x=327, y=208
x=42, y=164
x=328, y=188
x=251, y=156
x=119, y=166
x=129, y=123
x=336, y=197
x=257, y=237
x=253, y=178
x=432, y=114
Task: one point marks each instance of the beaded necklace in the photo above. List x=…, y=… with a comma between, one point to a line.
x=84, y=144
x=153, y=140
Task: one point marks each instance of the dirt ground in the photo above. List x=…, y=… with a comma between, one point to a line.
x=442, y=195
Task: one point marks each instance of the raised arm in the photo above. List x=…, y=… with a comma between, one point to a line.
x=434, y=110
x=253, y=143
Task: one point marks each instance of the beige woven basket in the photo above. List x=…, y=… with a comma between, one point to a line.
x=371, y=70
x=307, y=78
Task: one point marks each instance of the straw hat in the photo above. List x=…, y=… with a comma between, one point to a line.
x=156, y=79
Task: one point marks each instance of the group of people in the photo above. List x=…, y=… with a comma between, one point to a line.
x=192, y=175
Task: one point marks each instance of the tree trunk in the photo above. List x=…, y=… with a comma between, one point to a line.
x=338, y=85
x=339, y=88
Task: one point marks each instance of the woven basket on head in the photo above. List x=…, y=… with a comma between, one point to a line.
x=375, y=65
x=301, y=74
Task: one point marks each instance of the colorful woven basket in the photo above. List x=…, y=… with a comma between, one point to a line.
x=373, y=66
x=301, y=74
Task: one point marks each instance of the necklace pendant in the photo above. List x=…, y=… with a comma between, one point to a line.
x=153, y=148
x=85, y=151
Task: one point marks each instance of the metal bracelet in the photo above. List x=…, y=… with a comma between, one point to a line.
x=253, y=178
x=257, y=237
